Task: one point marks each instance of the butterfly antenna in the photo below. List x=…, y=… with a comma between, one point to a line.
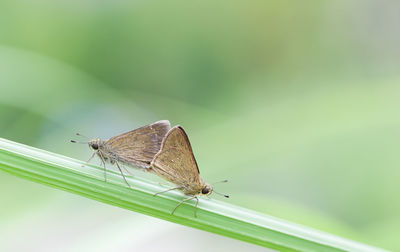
x=223, y=181
x=73, y=141
x=226, y=196
x=78, y=134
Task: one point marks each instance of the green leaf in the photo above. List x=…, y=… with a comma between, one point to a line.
x=214, y=216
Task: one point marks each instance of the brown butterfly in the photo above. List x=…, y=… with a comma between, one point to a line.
x=135, y=148
x=175, y=162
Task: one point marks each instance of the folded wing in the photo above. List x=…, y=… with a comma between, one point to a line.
x=175, y=161
x=138, y=147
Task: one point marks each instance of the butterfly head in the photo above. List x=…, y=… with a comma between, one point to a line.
x=207, y=189
x=95, y=144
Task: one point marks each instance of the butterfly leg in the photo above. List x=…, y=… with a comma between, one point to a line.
x=87, y=162
x=119, y=168
x=180, y=203
x=195, y=207
x=164, y=184
x=174, y=188
x=104, y=164
x=127, y=171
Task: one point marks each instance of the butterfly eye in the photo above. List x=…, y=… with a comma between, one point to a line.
x=95, y=146
x=205, y=190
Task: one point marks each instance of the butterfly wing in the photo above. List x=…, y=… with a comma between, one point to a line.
x=175, y=161
x=138, y=147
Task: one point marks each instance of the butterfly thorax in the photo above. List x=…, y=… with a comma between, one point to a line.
x=99, y=147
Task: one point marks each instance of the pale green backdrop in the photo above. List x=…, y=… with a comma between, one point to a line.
x=295, y=103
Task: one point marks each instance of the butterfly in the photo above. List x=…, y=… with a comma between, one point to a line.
x=135, y=148
x=176, y=163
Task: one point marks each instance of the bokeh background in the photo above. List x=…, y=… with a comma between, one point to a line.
x=296, y=103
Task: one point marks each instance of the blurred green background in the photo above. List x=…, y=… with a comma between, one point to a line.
x=295, y=103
